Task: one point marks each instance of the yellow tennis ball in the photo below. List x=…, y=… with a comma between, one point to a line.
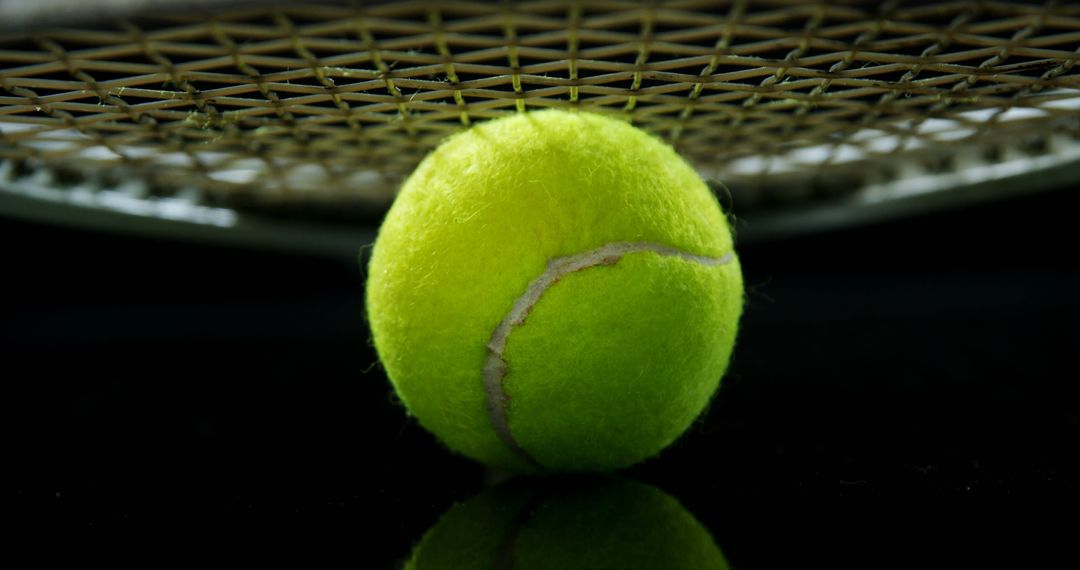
x=555, y=291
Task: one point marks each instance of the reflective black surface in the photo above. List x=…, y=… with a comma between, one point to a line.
x=916, y=364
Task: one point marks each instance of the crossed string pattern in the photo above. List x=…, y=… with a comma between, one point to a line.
x=334, y=102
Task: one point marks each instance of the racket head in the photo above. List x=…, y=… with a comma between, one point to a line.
x=291, y=124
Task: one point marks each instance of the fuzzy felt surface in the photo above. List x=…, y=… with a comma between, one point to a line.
x=592, y=525
x=603, y=388
x=481, y=217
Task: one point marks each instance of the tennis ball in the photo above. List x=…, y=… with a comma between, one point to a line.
x=590, y=524
x=554, y=291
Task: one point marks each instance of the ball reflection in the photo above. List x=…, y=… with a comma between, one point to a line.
x=566, y=524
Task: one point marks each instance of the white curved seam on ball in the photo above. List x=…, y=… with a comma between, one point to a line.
x=495, y=367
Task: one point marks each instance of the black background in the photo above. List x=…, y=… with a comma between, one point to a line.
x=922, y=362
